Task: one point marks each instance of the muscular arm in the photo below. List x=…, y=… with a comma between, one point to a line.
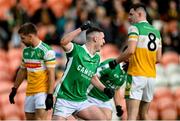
x=21, y=75
x=117, y=97
x=66, y=40
x=128, y=52
x=117, y=103
x=133, y=34
x=66, y=43
x=51, y=79
x=159, y=55
x=96, y=82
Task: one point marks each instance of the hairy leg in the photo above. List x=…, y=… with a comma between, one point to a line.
x=132, y=108
x=41, y=114
x=30, y=116
x=143, y=110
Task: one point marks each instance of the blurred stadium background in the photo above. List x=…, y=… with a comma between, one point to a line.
x=54, y=18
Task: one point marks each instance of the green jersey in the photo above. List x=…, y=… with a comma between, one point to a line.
x=81, y=66
x=110, y=78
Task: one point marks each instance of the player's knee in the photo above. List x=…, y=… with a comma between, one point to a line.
x=100, y=116
x=108, y=118
x=39, y=118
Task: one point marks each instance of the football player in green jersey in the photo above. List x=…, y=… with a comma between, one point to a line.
x=81, y=67
x=38, y=66
x=144, y=51
x=114, y=79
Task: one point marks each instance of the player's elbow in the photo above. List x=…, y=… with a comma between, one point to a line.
x=63, y=42
x=131, y=52
x=158, y=60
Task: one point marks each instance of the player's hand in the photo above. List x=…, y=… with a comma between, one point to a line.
x=12, y=95
x=113, y=64
x=49, y=102
x=109, y=92
x=119, y=111
x=125, y=66
x=86, y=25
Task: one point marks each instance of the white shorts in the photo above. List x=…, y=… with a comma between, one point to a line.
x=65, y=108
x=100, y=103
x=140, y=88
x=36, y=101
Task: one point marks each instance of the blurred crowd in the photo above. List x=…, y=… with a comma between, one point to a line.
x=54, y=18
x=57, y=17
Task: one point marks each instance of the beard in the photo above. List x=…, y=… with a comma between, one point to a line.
x=27, y=44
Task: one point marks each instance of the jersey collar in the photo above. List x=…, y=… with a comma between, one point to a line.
x=38, y=45
x=85, y=48
x=143, y=21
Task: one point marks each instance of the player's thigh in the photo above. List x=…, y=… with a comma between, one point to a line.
x=59, y=118
x=40, y=100
x=29, y=105
x=107, y=112
x=143, y=110
x=91, y=113
x=144, y=106
x=30, y=116
x=72, y=118
x=107, y=108
x=134, y=87
x=148, y=91
x=64, y=108
x=41, y=114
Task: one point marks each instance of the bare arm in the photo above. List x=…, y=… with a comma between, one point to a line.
x=128, y=52
x=117, y=97
x=159, y=55
x=51, y=79
x=66, y=40
x=21, y=75
x=97, y=83
x=66, y=43
x=117, y=100
x=133, y=34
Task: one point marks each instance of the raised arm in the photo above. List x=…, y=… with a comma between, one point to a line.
x=66, y=41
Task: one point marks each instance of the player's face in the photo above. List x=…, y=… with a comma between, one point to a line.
x=26, y=39
x=133, y=16
x=100, y=41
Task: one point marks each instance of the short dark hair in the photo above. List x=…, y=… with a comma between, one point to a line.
x=141, y=5
x=138, y=5
x=93, y=29
x=27, y=28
